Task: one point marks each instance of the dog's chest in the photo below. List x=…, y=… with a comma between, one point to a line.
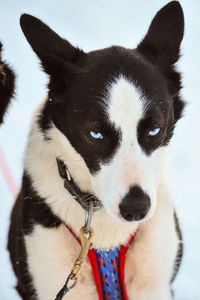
x=51, y=253
x=148, y=269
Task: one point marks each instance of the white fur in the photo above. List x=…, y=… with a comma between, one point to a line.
x=130, y=165
x=149, y=263
x=51, y=251
x=152, y=256
x=49, y=185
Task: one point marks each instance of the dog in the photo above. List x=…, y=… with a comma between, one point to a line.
x=7, y=85
x=108, y=119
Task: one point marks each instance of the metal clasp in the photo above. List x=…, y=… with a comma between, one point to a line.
x=88, y=217
x=86, y=242
x=86, y=234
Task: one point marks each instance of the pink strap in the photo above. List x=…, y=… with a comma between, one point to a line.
x=7, y=174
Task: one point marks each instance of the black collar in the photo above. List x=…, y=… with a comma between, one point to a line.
x=81, y=197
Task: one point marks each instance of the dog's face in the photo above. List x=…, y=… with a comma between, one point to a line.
x=117, y=107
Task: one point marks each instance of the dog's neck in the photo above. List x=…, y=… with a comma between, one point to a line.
x=83, y=198
x=41, y=165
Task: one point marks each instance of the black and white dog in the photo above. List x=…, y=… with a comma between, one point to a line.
x=7, y=85
x=109, y=117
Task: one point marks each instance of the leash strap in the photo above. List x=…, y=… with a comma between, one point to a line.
x=86, y=242
x=83, y=198
x=109, y=281
x=7, y=174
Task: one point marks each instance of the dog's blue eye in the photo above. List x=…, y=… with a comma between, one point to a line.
x=96, y=135
x=154, y=131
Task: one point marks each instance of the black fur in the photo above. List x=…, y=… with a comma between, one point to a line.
x=79, y=80
x=180, y=251
x=7, y=85
x=162, y=47
x=29, y=210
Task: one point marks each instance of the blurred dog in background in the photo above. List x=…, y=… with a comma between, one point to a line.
x=7, y=85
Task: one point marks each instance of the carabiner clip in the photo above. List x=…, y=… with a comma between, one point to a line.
x=88, y=217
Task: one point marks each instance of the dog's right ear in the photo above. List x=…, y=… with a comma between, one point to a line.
x=58, y=57
x=161, y=46
x=162, y=42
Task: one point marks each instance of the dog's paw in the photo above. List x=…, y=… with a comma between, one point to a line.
x=7, y=85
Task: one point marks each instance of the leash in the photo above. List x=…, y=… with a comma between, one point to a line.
x=86, y=234
x=90, y=204
x=7, y=174
x=110, y=286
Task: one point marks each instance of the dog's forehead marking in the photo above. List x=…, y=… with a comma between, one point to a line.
x=125, y=105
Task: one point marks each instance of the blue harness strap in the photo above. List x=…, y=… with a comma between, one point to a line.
x=108, y=269
x=108, y=261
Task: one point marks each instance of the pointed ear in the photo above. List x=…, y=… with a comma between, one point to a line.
x=58, y=56
x=162, y=41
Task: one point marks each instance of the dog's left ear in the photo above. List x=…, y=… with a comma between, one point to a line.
x=161, y=46
x=58, y=57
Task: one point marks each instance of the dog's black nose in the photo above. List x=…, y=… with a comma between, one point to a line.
x=135, y=205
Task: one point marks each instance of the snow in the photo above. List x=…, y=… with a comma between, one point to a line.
x=97, y=24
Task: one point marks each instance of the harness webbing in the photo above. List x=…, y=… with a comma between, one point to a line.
x=106, y=288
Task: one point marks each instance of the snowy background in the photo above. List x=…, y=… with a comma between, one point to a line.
x=95, y=24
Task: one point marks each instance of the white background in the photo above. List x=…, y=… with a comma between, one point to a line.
x=93, y=24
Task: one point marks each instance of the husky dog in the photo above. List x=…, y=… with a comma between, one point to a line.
x=108, y=117
x=7, y=80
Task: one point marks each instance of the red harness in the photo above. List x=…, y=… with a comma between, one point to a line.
x=95, y=269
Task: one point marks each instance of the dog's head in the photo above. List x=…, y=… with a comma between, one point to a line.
x=117, y=108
